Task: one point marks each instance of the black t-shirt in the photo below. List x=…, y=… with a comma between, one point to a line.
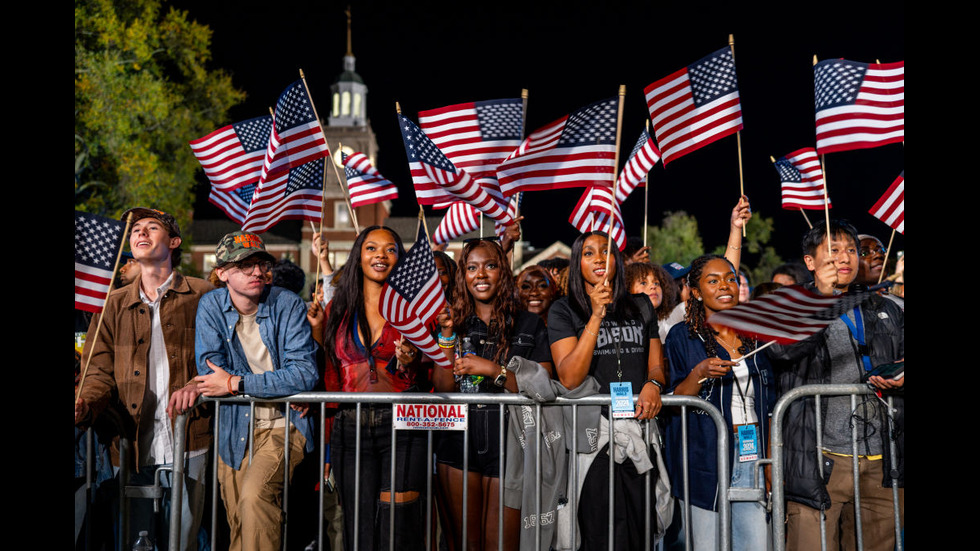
x=631, y=337
x=529, y=341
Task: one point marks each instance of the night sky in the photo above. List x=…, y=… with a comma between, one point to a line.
x=428, y=54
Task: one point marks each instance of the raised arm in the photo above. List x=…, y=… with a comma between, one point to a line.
x=740, y=216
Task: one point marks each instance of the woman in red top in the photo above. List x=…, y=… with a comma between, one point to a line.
x=365, y=354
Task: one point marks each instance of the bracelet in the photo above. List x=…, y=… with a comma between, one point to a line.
x=586, y=328
x=447, y=346
x=230, y=391
x=657, y=384
x=447, y=340
x=735, y=248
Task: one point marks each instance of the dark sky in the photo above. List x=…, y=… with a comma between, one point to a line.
x=428, y=54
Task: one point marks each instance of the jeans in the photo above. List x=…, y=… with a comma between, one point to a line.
x=158, y=526
x=750, y=529
x=374, y=477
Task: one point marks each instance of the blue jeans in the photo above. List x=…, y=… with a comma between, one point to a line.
x=750, y=529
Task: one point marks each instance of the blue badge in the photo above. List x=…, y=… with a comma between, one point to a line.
x=622, y=400
x=748, y=443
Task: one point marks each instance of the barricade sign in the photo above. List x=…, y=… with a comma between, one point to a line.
x=429, y=416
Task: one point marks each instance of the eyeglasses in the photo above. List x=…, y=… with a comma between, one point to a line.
x=248, y=267
x=872, y=252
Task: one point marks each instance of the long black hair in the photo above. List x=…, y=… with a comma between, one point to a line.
x=622, y=306
x=349, y=298
x=696, y=317
x=505, y=304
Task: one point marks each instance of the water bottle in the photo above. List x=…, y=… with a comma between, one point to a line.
x=143, y=542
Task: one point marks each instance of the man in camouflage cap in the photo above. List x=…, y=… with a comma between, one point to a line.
x=253, y=338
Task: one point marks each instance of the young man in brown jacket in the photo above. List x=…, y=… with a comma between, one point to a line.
x=144, y=354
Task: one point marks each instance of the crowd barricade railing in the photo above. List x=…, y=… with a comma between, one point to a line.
x=778, y=470
x=113, y=419
x=358, y=399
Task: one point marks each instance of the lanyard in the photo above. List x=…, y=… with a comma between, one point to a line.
x=857, y=331
x=373, y=370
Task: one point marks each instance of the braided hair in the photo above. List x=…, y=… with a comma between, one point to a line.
x=696, y=317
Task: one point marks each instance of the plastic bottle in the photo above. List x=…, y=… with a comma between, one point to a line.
x=143, y=542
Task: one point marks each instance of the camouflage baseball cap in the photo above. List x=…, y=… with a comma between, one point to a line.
x=238, y=246
x=167, y=220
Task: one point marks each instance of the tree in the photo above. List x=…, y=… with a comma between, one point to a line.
x=675, y=240
x=142, y=91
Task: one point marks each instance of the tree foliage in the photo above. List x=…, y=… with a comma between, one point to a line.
x=759, y=259
x=142, y=91
x=676, y=239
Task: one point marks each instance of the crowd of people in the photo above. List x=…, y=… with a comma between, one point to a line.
x=603, y=321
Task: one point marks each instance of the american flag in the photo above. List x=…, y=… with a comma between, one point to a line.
x=364, y=183
x=233, y=156
x=97, y=242
x=412, y=297
x=574, y=151
x=592, y=212
x=438, y=180
x=645, y=154
x=696, y=105
x=476, y=136
x=802, y=179
x=460, y=219
x=234, y=203
x=858, y=105
x=890, y=209
x=296, y=134
x=787, y=315
x=293, y=195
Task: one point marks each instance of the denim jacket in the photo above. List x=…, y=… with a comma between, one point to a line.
x=286, y=333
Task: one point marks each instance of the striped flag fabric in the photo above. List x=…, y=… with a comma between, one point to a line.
x=97, y=243
x=460, y=219
x=293, y=195
x=801, y=180
x=232, y=156
x=476, y=136
x=412, y=296
x=787, y=315
x=890, y=209
x=233, y=203
x=696, y=105
x=645, y=154
x=592, y=213
x=438, y=180
x=296, y=134
x=858, y=105
x=364, y=183
x=577, y=150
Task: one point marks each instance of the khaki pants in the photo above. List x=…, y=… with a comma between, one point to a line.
x=253, y=493
x=877, y=512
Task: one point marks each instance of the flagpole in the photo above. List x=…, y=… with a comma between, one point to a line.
x=738, y=139
x=424, y=224
x=807, y=218
x=749, y=355
x=887, y=252
x=646, y=195
x=612, y=207
x=341, y=183
x=98, y=326
x=826, y=196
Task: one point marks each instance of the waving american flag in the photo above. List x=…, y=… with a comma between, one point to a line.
x=412, y=297
x=858, y=105
x=232, y=156
x=801, y=179
x=296, y=134
x=890, y=209
x=476, y=136
x=364, y=183
x=97, y=243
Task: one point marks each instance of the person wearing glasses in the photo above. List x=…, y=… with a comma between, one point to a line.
x=253, y=339
x=481, y=331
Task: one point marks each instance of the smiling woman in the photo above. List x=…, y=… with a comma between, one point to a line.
x=707, y=363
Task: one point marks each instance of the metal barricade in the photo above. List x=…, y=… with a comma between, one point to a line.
x=359, y=399
x=778, y=471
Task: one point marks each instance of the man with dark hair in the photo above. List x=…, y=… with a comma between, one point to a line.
x=635, y=251
x=791, y=273
x=253, y=338
x=871, y=334
x=144, y=353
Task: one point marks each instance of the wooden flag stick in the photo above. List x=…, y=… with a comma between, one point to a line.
x=738, y=139
x=98, y=326
x=612, y=208
x=826, y=196
x=419, y=221
x=887, y=252
x=424, y=224
x=343, y=188
x=646, y=195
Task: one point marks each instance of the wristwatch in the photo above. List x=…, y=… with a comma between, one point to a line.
x=501, y=379
x=241, y=385
x=657, y=384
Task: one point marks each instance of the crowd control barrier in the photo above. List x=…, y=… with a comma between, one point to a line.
x=778, y=471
